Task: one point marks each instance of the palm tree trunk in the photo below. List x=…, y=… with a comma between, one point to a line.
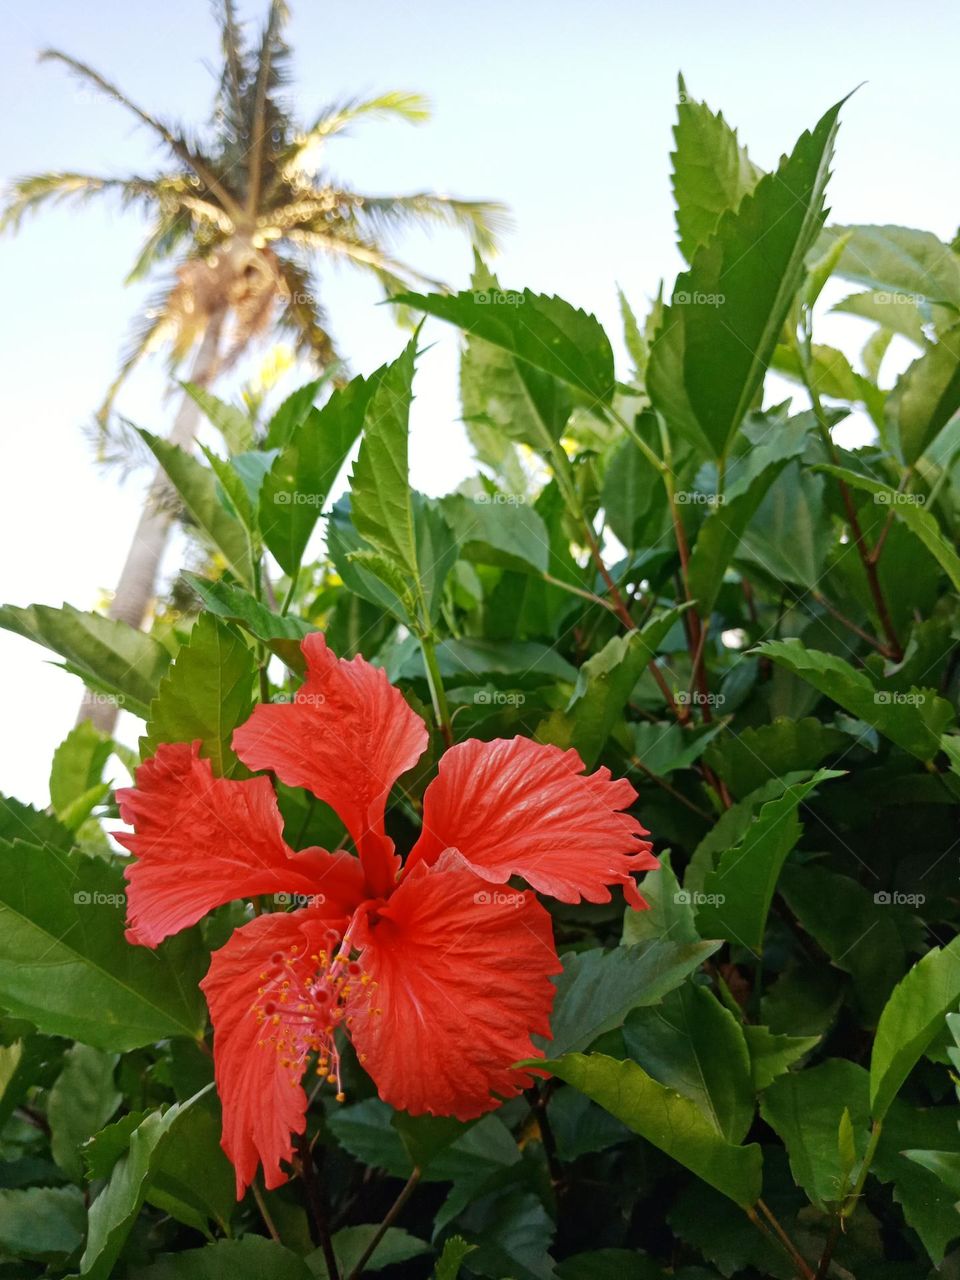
x=137, y=585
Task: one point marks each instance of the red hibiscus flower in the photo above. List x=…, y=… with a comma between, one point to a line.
x=438, y=977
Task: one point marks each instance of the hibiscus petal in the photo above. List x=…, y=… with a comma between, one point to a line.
x=347, y=737
x=259, y=1086
x=462, y=977
x=201, y=841
x=517, y=807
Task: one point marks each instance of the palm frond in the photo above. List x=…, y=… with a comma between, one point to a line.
x=169, y=232
x=174, y=137
x=347, y=244
x=302, y=316
x=268, y=122
x=484, y=220
x=339, y=117
x=148, y=331
x=28, y=193
x=234, y=77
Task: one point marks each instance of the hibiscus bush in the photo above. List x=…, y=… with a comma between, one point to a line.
x=557, y=878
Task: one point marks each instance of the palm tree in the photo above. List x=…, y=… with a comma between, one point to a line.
x=240, y=214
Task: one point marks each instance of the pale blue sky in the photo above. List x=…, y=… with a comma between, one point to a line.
x=563, y=110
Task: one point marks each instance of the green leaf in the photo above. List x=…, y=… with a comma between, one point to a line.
x=66, y=966
x=911, y=1018
x=831, y=375
x=898, y=259
x=78, y=765
x=855, y=930
x=455, y=1251
x=350, y=1243
x=719, y=332
x=738, y=893
x=908, y=508
x=367, y=1131
x=633, y=496
x=913, y=720
x=667, y=1119
x=928, y=1205
x=298, y=485
x=662, y=747
x=787, y=538
x=19, y=821
x=290, y=414
x=498, y=529
x=546, y=332
x=424, y=1137
x=206, y=694
x=233, y=424
x=190, y=1176
x=82, y=1100
x=109, y=656
x=197, y=487
x=102, y=1151
x=115, y=1209
x=711, y=171
x=41, y=1222
x=692, y=1044
x=804, y=1108
x=507, y=401
x=771, y=1055
x=747, y=759
x=605, y=683
x=598, y=988
x=474, y=660
x=249, y=1258
x=281, y=634
x=669, y=912
x=720, y=533
x=945, y=1164
x=380, y=484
